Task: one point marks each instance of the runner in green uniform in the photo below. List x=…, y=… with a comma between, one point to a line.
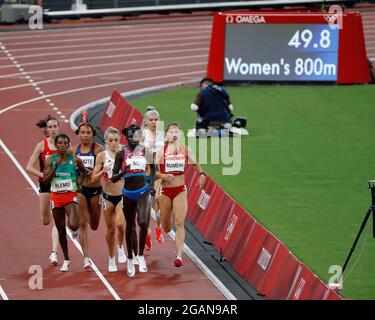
x=61, y=173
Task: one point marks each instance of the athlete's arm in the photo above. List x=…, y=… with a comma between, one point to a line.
x=49, y=172
x=198, y=168
x=158, y=160
x=79, y=164
x=99, y=168
x=117, y=173
x=33, y=159
x=98, y=148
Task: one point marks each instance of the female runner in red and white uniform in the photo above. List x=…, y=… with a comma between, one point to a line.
x=170, y=164
x=112, y=197
x=42, y=151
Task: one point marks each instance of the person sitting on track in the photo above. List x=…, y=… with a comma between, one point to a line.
x=112, y=197
x=170, y=168
x=42, y=151
x=153, y=139
x=61, y=174
x=90, y=193
x=131, y=164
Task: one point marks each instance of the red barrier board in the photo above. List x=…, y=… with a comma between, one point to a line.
x=119, y=113
x=254, y=252
x=288, y=46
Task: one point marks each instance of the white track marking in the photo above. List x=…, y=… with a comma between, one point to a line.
x=115, y=31
x=95, y=75
x=91, y=58
x=92, y=66
x=2, y=292
x=60, y=93
x=127, y=28
x=80, y=40
x=26, y=176
x=125, y=48
x=103, y=44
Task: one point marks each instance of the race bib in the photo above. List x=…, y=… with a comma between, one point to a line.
x=61, y=185
x=174, y=165
x=88, y=161
x=136, y=163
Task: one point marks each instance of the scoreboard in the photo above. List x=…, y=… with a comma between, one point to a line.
x=287, y=46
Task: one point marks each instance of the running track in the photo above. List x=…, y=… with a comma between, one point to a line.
x=55, y=71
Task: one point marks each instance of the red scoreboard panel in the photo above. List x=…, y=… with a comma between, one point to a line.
x=288, y=46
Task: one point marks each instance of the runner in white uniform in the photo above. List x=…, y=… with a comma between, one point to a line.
x=153, y=139
x=111, y=198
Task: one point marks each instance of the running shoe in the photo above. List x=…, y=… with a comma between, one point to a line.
x=112, y=265
x=121, y=258
x=53, y=258
x=148, y=241
x=178, y=262
x=142, y=264
x=130, y=268
x=65, y=266
x=87, y=264
x=135, y=260
x=159, y=235
x=74, y=234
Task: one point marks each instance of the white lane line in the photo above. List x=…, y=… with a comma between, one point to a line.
x=105, y=44
x=25, y=43
x=96, y=57
x=94, y=75
x=26, y=176
x=2, y=292
x=208, y=273
x=91, y=66
x=199, y=263
x=100, y=86
x=137, y=92
x=115, y=31
x=125, y=48
x=26, y=77
x=123, y=28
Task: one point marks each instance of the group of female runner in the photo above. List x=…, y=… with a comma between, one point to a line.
x=81, y=181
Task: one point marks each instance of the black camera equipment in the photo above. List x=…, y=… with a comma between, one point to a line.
x=371, y=209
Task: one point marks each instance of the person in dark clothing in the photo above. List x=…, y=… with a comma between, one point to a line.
x=212, y=105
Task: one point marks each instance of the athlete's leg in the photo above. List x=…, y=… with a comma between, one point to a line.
x=83, y=223
x=94, y=209
x=129, y=209
x=54, y=237
x=45, y=208
x=157, y=208
x=120, y=224
x=73, y=216
x=110, y=221
x=143, y=219
x=165, y=212
x=59, y=217
x=180, y=206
